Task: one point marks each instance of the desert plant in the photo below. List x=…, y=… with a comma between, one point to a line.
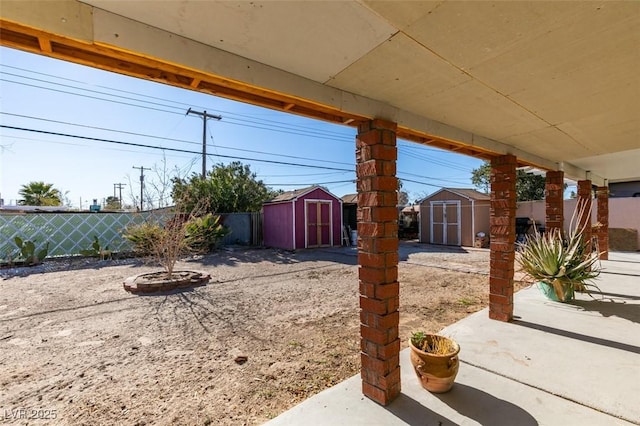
x=432, y=343
x=96, y=250
x=204, y=232
x=563, y=262
x=27, y=251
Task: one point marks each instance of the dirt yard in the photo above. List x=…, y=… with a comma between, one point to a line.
x=76, y=349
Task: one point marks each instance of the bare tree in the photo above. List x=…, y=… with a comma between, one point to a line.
x=165, y=240
x=160, y=183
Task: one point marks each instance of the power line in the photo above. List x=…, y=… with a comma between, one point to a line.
x=87, y=96
x=195, y=152
x=204, y=116
x=171, y=149
x=171, y=139
x=118, y=186
x=142, y=169
x=308, y=128
x=310, y=183
x=277, y=127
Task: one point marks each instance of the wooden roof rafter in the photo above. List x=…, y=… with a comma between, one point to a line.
x=112, y=59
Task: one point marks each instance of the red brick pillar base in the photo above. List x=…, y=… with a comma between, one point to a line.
x=376, y=156
x=503, y=237
x=602, y=194
x=554, y=200
x=584, y=202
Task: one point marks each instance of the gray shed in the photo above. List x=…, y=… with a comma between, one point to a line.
x=454, y=216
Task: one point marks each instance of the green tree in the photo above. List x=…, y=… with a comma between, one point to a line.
x=403, y=196
x=481, y=177
x=112, y=203
x=225, y=189
x=39, y=194
x=529, y=187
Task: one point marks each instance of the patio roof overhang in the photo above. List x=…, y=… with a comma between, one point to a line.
x=553, y=83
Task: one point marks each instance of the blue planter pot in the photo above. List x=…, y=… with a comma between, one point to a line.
x=549, y=292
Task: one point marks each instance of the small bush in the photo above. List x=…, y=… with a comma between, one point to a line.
x=144, y=237
x=204, y=232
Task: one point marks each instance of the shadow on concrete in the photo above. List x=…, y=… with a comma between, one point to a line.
x=624, y=261
x=484, y=408
x=625, y=274
x=617, y=295
x=578, y=336
x=611, y=308
x=412, y=412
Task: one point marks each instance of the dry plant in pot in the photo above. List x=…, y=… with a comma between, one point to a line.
x=435, y=360
x=561, y=264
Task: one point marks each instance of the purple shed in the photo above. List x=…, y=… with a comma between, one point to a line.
x=304, y=218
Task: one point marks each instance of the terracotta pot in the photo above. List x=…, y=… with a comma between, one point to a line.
x=435, y=372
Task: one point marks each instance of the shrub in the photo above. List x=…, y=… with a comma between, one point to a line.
x=182, y=234
x=144, y=237
x=204, y=232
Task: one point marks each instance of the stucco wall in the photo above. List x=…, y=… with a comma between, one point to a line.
x=623, y=212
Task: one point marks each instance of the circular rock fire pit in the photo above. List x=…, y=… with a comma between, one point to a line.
x=155, y=282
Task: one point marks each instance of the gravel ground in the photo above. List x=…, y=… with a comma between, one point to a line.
x=271, y=329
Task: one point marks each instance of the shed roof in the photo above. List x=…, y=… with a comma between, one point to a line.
x=413, y=208
x=468, y=193
x=350, y=199
x=295, y=194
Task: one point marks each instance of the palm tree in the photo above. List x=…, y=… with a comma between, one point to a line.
x=40, y=194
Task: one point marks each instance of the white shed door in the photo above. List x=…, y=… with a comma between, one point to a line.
x=445, y=223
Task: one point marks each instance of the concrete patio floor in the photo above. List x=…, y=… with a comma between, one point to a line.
x=572, y=363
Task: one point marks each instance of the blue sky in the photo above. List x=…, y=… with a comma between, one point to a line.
x=40, y=94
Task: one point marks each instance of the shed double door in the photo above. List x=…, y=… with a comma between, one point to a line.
x=445, y=223
x=318, y=223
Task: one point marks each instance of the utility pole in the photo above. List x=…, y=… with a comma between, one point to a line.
x=204, y=116
x=119, y=186
x=142, y=169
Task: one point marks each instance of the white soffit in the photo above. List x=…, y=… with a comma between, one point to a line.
x=557, y=80
x=308, y=38
x=618, y=166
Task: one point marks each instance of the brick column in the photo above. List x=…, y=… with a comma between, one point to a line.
x=602, y=195
x=584, y=201
x=554, y=200
x=376, y=156
x=503, y=237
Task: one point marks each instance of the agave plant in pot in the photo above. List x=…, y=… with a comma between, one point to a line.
x=435, y=360
x=561, y=264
